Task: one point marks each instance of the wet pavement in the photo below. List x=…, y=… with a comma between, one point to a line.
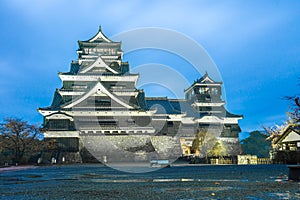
x=94, y=181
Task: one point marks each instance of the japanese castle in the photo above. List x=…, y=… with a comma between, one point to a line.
x=99, y=108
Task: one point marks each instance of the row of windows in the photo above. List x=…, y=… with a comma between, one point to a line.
x=105, y=51
x=206, y=90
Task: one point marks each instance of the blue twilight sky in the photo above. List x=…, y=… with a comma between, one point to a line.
x=255, y=45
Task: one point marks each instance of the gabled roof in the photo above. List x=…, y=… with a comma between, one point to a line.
x=97, y=88
x=205, y=79
x=290, y=134
x=99, y=37
x=59, y=113
x=98, y=62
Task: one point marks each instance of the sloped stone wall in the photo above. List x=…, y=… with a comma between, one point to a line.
x=131, y=148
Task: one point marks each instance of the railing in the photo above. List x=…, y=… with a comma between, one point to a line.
x=73, y=89
x=111, y=127
x=123, y=90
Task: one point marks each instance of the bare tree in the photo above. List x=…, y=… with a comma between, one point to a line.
x=19, y=137
x=275, y=131
x=294, y=113
x=293, y=118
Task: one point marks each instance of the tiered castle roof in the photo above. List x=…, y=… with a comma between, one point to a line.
x=100, y=84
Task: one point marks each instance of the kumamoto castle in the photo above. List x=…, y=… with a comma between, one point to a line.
x=98, y=112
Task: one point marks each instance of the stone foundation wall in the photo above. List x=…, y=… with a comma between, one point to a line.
x=127, y=148
x=131, y=148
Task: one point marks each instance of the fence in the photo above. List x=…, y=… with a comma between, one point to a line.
x=263, y=161
x=228, y=161
x=220, y=161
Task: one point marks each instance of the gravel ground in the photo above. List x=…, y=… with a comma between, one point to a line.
x=16, y=168
x=178, y=182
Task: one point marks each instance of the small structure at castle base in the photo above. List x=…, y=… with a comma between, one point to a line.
x=99, y=109
x=247, y=159
x=286, y=146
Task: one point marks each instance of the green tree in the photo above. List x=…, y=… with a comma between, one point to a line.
x=203, y=142
x=19, y=138
x=197, y=141
x=256, y=144
x=218, y=150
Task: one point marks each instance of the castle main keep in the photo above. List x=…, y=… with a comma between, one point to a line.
x=100, y=109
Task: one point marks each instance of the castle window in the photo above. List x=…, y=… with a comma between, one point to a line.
x=207, y=91
x=227, y=127
x=214, y=91
x=202, y=90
